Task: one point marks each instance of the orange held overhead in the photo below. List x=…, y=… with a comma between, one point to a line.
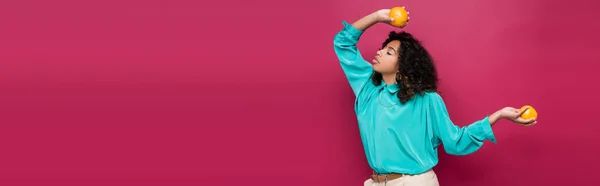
x=400, y=16
x=529, y=113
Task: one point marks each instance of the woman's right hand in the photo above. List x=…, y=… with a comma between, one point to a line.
x=383, y=16
x=380, y=16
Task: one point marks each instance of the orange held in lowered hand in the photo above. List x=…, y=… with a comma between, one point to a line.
x=529, y=113
x=400, y=16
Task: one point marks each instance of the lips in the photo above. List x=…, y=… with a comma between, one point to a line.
x=375, y=61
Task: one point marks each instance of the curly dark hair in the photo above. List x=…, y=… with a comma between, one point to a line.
x=417, y=73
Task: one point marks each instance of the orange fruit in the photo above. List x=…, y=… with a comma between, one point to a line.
x=400, y=16
x=529, y=113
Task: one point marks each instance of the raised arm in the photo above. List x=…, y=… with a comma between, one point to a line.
x=369, y=20
x=357, y=70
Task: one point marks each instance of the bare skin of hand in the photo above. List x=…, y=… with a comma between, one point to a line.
x=513, y=115
x=379, y=16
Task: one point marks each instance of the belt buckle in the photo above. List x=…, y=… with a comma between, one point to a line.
x=376, y=175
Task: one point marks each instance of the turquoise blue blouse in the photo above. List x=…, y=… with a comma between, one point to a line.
x=401, y=138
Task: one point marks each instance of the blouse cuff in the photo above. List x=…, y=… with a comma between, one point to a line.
x=355, y=33
x=487, y=129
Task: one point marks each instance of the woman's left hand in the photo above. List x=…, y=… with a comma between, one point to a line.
x=514, y=115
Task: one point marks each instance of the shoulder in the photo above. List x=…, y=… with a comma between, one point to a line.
x=432, y=96
x=434, y=100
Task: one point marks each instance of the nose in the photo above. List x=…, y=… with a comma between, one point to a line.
x=379, y=52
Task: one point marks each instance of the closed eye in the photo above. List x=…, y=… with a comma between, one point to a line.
x=392, y=49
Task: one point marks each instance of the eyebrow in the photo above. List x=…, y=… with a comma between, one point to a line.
x=393, y=49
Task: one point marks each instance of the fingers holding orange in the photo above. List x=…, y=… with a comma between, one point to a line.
x=529, y=113
x=399, y=16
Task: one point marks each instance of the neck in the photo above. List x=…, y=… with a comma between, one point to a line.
x=389, y=78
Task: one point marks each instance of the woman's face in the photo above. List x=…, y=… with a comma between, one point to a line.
x=386, y=60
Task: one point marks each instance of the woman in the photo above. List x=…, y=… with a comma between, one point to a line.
x=402, y=118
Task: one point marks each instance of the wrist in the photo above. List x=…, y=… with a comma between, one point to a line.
x=495, y=117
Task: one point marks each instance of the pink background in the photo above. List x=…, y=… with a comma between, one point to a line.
x=159, y=93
